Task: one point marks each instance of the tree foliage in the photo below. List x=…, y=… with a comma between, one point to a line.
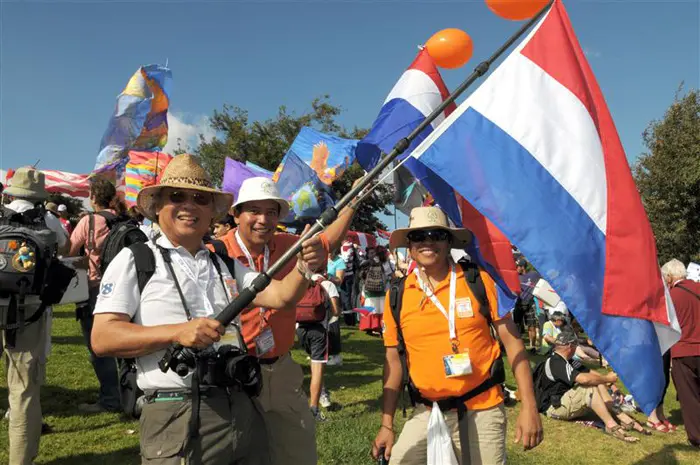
x=73, y=205
x=668, y=179
x=266, y=142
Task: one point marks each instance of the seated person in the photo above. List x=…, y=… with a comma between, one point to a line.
x=554, y=327
x=567, y=390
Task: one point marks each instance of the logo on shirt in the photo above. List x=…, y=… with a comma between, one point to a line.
x=106, y=289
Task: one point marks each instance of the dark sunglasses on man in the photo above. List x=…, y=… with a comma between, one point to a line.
x=198, y=198
x=425, y=235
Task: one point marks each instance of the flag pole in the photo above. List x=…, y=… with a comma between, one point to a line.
x=182, y=359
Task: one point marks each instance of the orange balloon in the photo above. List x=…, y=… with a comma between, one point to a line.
x=516, y=10
x=450, y=48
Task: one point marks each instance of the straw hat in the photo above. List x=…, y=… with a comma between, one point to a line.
x=429, y=218
x=28, y=183
x=259, y=188
x=183, y=172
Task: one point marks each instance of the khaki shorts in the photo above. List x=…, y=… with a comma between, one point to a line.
x=285, y=408
x=575, y=403
x=487, y=437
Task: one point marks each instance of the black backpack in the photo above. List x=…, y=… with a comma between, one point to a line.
x=374, y=280
x=28, y=267
x=498, y=374
x=130, y=395
x=123, y=232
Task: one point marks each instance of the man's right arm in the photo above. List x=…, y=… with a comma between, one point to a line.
x=393, y=375
x=79, y=237
x=114, y=335
x=593, y=378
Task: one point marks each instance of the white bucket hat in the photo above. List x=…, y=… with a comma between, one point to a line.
x=259, y=188
x=429, y=218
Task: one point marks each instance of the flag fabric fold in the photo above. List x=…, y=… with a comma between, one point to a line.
x=236, y=172
x=328, y=156
x=541, y=116
x=419, y=91
x=308, y=196
x=143, y=169
x=140, y=119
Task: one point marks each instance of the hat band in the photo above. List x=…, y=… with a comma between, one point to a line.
x=186, y=180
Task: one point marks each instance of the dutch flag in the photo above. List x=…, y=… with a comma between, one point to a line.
x=544, y=162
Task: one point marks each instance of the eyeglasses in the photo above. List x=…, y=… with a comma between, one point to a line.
x=198, y=198
x=435, y=235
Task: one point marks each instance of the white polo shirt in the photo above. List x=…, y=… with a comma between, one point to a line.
x=160, y=303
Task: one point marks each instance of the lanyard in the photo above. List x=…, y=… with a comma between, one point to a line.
x=253, y=265
x=450, y=314
x=249, y=257
x=175, y=255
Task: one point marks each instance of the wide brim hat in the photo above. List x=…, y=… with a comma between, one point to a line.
x=27, y=183
x=429, y=218
x=260, y=188
x=183, y=172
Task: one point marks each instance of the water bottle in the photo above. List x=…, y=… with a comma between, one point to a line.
x=381, y=460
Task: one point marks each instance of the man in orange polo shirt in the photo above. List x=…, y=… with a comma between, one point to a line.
x=450, y=352
x=270, y=333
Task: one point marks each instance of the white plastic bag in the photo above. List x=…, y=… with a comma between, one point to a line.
x=440, y=451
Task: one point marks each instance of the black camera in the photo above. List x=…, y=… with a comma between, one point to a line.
x=227, y=366
x=230, y=366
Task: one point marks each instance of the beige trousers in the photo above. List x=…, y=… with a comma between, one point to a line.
x=487, y=437
x=26, y=371
x=290, y=426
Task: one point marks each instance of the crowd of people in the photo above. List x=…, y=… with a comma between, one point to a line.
x=241, y=398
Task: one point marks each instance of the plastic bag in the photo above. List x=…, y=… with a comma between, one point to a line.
x=440, y=451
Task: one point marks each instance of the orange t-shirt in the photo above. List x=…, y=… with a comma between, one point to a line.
x=282, y=321
x=427, y=338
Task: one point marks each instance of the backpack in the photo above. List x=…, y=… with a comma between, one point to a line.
x=498, y=374
x=123, y=232
x=374, y=280
x=28, y=266
x=312, y=307
x=130, y=395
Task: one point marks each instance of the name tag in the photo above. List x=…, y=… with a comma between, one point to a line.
x=457, y=364
x=265, y=342
x=464, y=308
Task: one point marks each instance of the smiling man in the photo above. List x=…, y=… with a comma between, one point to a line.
x=269, y=332
x=440, y=326
x=188, y=287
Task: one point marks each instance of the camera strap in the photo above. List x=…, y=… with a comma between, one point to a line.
x=169, y=265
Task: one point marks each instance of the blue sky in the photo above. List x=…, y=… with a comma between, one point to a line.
x=62, y=64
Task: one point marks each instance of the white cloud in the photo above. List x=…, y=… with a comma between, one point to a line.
x=184, y=130
x=590, y=53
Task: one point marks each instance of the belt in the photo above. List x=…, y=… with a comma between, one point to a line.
x=173, y=395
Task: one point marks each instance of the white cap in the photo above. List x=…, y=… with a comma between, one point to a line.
x=259, y=188
x=62, y=208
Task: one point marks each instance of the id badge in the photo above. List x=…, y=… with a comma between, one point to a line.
x=464, y=308
x=457, y=364
x=265, y=342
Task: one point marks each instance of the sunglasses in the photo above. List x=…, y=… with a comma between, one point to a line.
x=434, y=235
x=198, y=198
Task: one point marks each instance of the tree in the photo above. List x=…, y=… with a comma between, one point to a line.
x=266, y=142
x=668, y=179
x=73, y=205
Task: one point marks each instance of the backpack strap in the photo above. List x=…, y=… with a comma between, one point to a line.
x=145, y=262
x=395, y=301
x=472, y=274
x=109, y=217
x=215, y=260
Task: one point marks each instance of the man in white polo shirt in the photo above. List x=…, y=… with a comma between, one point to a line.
x=189, y=286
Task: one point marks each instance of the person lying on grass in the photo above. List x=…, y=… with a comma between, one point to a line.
x=566, y=390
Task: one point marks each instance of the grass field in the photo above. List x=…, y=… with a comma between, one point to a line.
x=345, y=439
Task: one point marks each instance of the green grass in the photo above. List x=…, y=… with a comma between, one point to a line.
x=344, y=439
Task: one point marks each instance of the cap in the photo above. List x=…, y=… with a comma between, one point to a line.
x=62, y=208
x=521, y=262
x=566, y=337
